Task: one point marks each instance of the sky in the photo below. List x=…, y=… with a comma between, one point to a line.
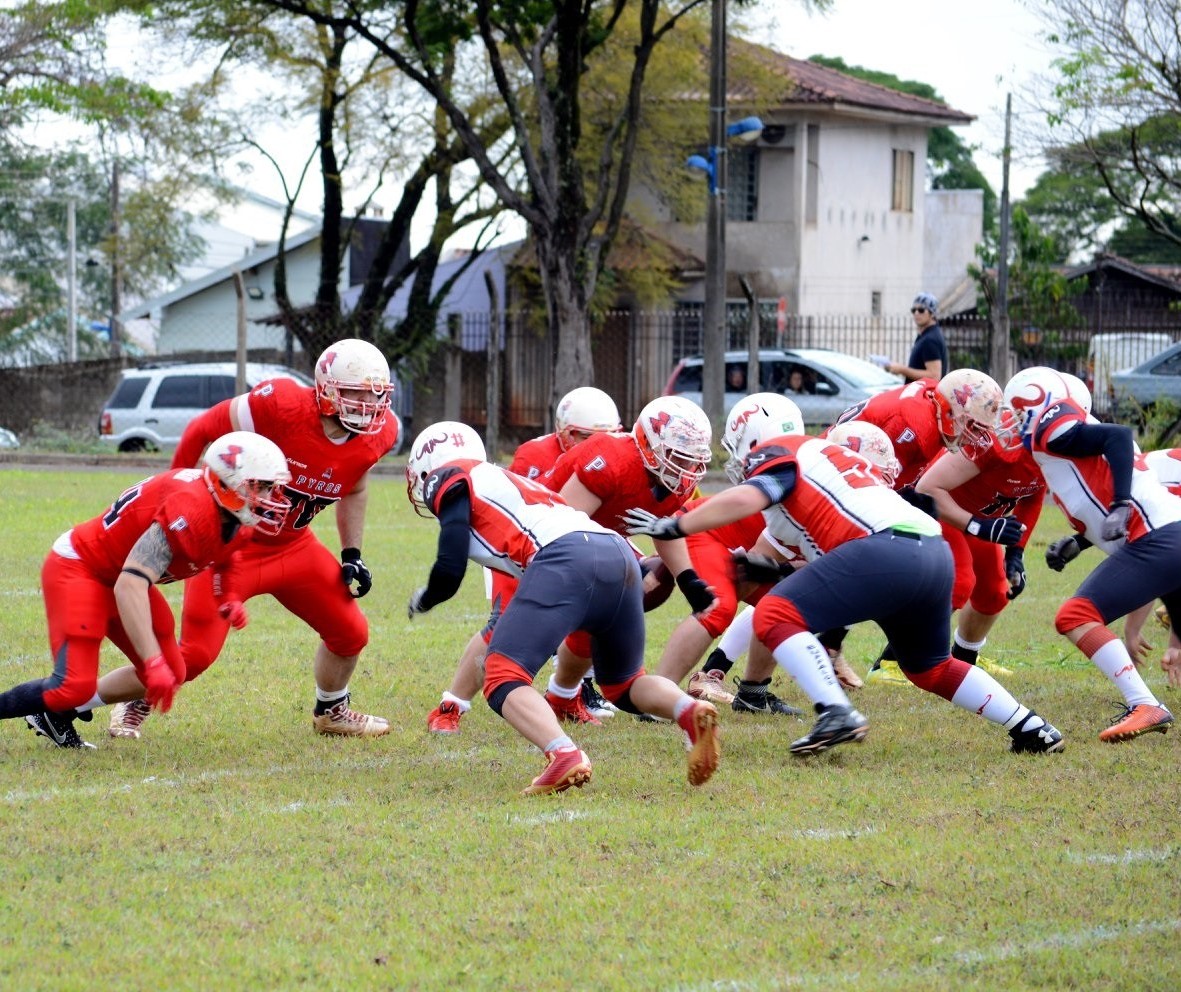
x=972, y=52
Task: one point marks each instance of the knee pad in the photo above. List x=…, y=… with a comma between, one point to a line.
x=777, y=619
x=722, y=615
x=619, y=694
x=501, y=676
x=943, y=680
x=349, y=638
x=1076, y=612
x=579, y=644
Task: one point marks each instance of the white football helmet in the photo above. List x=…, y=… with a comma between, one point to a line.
x=446, y=441
x=968, y=404
x=674, y=437
x=582, y=412
x=871, y=443
x=353, y=385
x=1032, y=391
x=246, y=473
x=1078, y=391
x=754, y=419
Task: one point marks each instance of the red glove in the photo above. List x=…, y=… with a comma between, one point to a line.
x=235, y=612
x=160, y=683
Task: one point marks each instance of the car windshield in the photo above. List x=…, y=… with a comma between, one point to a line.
x=856, y=370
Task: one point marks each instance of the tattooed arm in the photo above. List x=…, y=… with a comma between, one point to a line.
x=148, y=561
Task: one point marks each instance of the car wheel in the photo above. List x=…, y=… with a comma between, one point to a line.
x=136, y=444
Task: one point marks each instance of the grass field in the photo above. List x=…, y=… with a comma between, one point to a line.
x=231, y=848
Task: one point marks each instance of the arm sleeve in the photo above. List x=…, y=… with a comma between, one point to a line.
x=775, y=483
x=451, y=557
x=1113, y=441
x=201, y=432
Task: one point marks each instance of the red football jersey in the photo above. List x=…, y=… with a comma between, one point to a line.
x=610, y=466
x=535, y=457
x=322, y=470
x=179, y=501
x=907, y=415
x=739, y=535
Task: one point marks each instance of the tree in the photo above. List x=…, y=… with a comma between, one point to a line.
x=1116, y=98
x=949, y=160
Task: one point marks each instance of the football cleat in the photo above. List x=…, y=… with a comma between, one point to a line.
x=566, y=767
x=1162, y=617
x=887, y=670
x=573, y=710
x=992, y=666
x=128, y=718
x=444, y=719
x=339, y=719
x=835, y=725
x=700, y=723
x=844, y=672
x=755, y=697
x=59, y=728
x=1036, y=736
x=593, y=700
x=710, y=686
x=1135, y=720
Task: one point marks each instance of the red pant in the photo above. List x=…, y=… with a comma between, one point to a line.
x=304, y=576
x=979, y=573
x=80, y=611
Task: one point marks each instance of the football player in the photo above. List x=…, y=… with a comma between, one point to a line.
x=580, y=414
x=100, y=578
x=877, y=558
x=1091, y=471
x=574, y=575
x=333, y=433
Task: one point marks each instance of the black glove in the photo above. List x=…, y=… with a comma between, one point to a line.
x=920, y=501
x=1061, y=551
x=1115, y=524
x=416, y=605
x=759, y=569
x=352, y=569
x=699, y=595
x=640, y=521
x=998, y=530
x=1015, y=571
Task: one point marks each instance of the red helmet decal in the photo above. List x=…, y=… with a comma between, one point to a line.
x=743, y=417
x=326, y=361
x=659, y=423
x=963, y=393
x=229, y=457
x=853, y=443
x=1020, y=403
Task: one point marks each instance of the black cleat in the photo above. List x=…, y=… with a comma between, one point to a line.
x=59, y=728
x=835, y=725
x=755, y=697
x=1035, y=736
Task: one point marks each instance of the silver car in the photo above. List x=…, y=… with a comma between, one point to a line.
x=1139, y=388
x=822, y=383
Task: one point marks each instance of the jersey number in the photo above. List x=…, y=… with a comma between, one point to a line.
x=856, y=472
x=111, y=517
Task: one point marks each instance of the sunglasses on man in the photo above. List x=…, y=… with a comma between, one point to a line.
x=918, y=310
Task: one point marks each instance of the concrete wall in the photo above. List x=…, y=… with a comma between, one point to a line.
x=954, y=227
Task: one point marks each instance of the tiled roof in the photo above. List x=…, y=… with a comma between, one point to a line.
x=810, y=83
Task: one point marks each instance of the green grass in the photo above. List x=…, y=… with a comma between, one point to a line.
x=232, y=848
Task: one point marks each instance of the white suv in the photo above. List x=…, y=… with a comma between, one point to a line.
x=151, y=406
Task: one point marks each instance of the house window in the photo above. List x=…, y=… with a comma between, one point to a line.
x=875, y=303
x=742, y=194
x=902, y=197
x=812, y=190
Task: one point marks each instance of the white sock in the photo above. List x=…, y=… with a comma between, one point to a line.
x=970, y=645
x=735, y=639
x=983, y=695
x=558, y=743
x=324, y=696
x=93, y=703
x=805, y=660
x=463, y=704
x=682, y=704
x=1114, y=661
x=561, y=691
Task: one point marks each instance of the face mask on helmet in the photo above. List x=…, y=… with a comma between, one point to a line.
x=446, y=441
x=753, y=420
x=673, y=435
x=246, y=473
x=1031, y=392
x=582, y=412
x=353, y=384
x=968, y=404
x=871, y=443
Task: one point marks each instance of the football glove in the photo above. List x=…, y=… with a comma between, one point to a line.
x=759, y=569
x=1015, y=571
x=700, y=596
x=235, y=612
x=415, y=604
x=998, y=530
x=639, y=521
x=1115, y=524
x=160, y=683
x=1061, y=551
x=353, y=569
x=920, y=501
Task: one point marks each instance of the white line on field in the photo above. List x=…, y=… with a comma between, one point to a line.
x=1078, y=939
x=559, y=816
x=832, y=834
x=1128, y=857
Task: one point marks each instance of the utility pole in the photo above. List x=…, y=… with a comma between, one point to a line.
x=72, y=280
x=116, y=266
x=713, y=372
x=998, y=356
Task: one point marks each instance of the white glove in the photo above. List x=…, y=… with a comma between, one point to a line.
x=640, y=521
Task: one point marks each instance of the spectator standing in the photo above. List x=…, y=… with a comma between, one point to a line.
x=928, y=355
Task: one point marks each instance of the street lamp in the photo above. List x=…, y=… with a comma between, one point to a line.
x=713, y=332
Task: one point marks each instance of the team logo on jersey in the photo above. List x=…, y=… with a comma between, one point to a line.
x=596, y=464
x=1051, y=412
x=327, y=473
x=230, y=456
x=428, y=490
x=180, y=523
x=906, y=437
x=264, y=390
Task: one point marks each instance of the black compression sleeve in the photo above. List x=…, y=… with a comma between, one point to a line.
x=1113, y=441
x=451, y=556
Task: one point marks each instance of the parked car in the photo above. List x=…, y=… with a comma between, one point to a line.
x=1137, y=389
x=151, y=406
x=1117, y=352
x=822, y=382
x=8, y=439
